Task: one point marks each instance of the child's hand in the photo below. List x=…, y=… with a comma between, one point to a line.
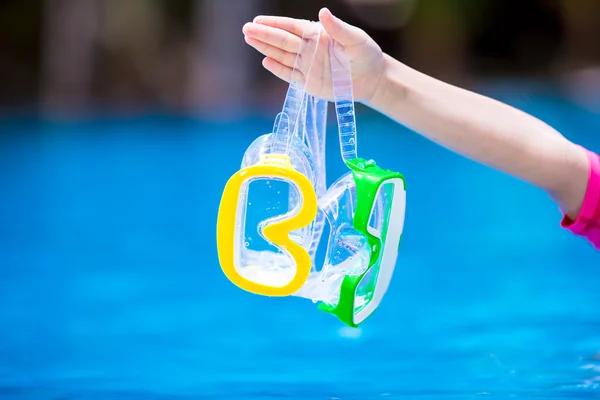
x=278, y=38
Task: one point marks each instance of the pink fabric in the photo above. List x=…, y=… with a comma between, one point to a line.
x=587, y=223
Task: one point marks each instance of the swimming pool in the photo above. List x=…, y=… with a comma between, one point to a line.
x=111, y=287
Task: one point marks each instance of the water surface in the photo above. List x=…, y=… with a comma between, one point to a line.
x=110, y=286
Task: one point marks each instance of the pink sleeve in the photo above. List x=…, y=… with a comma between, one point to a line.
x=587, y=223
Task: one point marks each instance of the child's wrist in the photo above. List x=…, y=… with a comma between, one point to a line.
x=385, y=87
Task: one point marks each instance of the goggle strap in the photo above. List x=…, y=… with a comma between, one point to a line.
x=295, y=101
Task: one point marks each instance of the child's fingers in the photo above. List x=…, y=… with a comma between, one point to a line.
x=276, y=68
x=286, y=58
x=291, y=25
x=273, y=36
x=282, y=71
x=341, y=31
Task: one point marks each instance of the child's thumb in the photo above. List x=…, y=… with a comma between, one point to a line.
x=340, y=31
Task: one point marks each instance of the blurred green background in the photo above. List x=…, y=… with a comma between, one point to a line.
x=67, y=57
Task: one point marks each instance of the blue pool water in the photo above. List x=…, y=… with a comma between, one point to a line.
x=110, y=286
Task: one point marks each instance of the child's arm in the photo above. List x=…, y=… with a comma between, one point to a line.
x=485, y=130
x=475, y=126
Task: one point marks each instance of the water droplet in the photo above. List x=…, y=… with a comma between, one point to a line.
x=246, y=244
x=351, y=141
